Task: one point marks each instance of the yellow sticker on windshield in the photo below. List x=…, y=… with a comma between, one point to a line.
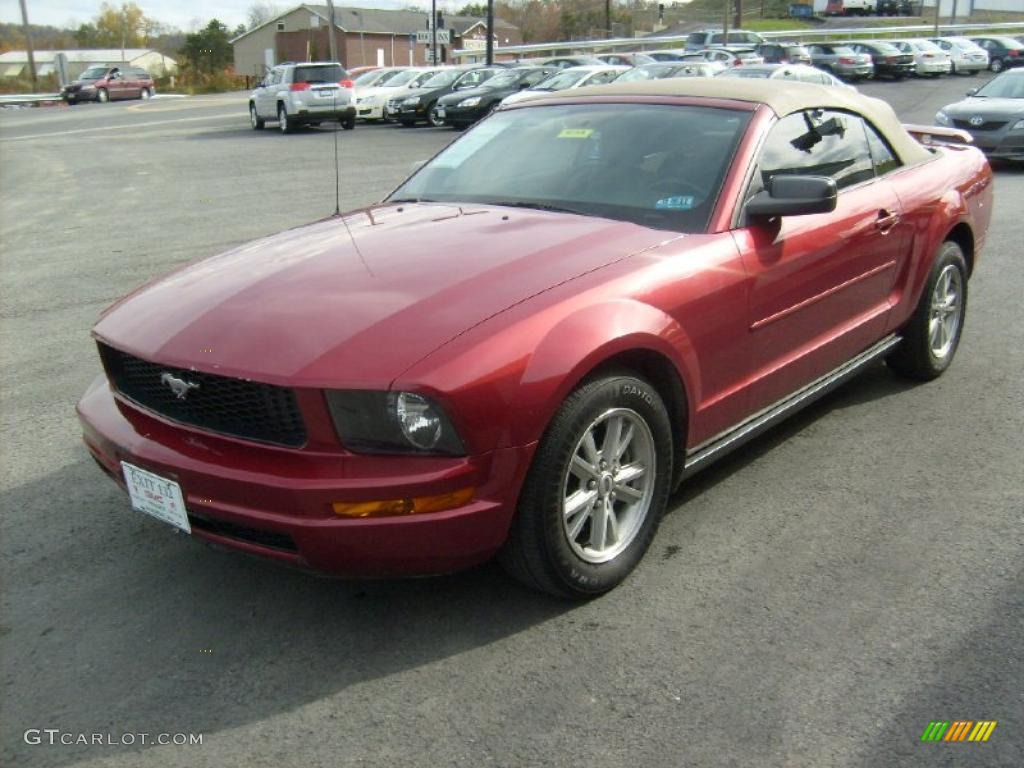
x=575, y=133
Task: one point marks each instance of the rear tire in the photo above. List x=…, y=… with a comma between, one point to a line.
x=144, y=94
x=931, y=337
x=283, y=121
x=348, y=123
x=996, y=65
x=596, y=490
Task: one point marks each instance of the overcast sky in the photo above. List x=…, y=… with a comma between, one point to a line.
x=179, y=13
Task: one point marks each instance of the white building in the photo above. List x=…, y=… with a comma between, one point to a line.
x=965, y=7
x=15, y=63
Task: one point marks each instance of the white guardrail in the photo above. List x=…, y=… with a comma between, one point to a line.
x=568, y=47
x=27, y=98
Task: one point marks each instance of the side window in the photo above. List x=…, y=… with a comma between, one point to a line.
x=818, y=143
x=883, y=158
x=602, y=77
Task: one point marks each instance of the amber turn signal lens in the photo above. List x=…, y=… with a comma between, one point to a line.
x=392, y=507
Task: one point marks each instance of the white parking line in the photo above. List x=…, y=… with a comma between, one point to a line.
x=124, y=128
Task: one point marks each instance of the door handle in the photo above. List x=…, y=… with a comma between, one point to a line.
x=886, y=221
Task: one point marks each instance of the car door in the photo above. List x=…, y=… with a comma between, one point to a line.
x=266, y=101
x=820, y=283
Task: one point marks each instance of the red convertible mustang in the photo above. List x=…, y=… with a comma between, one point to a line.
x=541, y=333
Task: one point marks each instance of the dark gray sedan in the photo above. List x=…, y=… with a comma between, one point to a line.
x=993, y=114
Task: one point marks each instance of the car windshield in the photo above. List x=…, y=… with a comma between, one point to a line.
x=656, y=165
x=641, y=73
x=369, y=78
x=329, y=73
x=748, y=73
x=1008, y=86
x=93, y=73
x=422, y=77
x=402, y=78
x=561, y=81
x=506, y=77
x=442, y=79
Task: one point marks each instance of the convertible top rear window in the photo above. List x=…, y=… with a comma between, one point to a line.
x=657, y=165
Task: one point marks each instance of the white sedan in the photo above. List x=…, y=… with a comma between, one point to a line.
x=929, y=59
x=573, y=77
x=966, y=55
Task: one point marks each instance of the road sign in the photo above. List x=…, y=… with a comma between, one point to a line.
x=424, y=36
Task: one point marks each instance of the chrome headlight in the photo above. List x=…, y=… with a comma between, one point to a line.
x=941, y=118
x=1018, y=126
x=392, y=422
x=412, y=101
x=472, y=101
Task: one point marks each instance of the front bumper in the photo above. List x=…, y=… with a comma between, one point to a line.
x=1004, y=145
x=372, y=111
x=277, y=502
x=456, y=115
x=409, y=112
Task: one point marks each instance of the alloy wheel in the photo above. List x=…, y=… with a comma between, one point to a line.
x=608, y=486
x=946, y=312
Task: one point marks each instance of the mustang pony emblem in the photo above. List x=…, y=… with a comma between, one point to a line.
x=179, y=387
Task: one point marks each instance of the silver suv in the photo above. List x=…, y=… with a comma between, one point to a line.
x=304, y=94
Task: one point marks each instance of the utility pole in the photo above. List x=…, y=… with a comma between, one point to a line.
x=725, y=22
x=738, y=18
x=28, y=46
x=330, y=32
x=608, y=17
x=433, y=32
x=490, y=32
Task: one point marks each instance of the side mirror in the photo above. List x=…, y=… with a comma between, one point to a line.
x=972, y=91
x=794, y=196
x=524, y=85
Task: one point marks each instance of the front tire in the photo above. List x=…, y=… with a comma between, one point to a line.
x=102, y=96
x=255, y=120
x=433, y=119
x=595, y=492
x=931, y=338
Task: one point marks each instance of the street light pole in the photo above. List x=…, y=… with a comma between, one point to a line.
x=28, y=46
x=330, y=32
x=490, y=32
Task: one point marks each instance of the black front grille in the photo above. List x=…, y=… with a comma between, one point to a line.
x=270, y=539
x=236, y=407
x=988, y=125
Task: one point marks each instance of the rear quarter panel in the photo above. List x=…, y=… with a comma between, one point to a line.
x=953, y=189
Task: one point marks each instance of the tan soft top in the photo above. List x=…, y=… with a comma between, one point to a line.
x=783, y=97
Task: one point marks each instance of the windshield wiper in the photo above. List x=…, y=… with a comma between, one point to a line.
x=535, y=206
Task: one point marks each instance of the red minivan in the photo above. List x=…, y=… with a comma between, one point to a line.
x=102, y=83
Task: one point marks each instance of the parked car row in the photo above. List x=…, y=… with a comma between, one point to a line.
x=457, y=96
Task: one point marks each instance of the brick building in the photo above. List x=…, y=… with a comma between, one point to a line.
x=365, y=36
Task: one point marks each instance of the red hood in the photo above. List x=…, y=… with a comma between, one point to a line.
x=307, y=308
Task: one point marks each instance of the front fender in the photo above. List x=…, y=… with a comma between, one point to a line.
x=582, y=342
x=501, y=386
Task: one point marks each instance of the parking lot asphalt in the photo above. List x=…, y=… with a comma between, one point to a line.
x=814, y=600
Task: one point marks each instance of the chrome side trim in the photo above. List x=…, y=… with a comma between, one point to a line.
x=720, y=445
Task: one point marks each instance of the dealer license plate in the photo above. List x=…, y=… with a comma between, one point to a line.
x=156, y=496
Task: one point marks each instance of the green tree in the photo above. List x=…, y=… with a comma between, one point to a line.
x=208, y=50
x=473, y=9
